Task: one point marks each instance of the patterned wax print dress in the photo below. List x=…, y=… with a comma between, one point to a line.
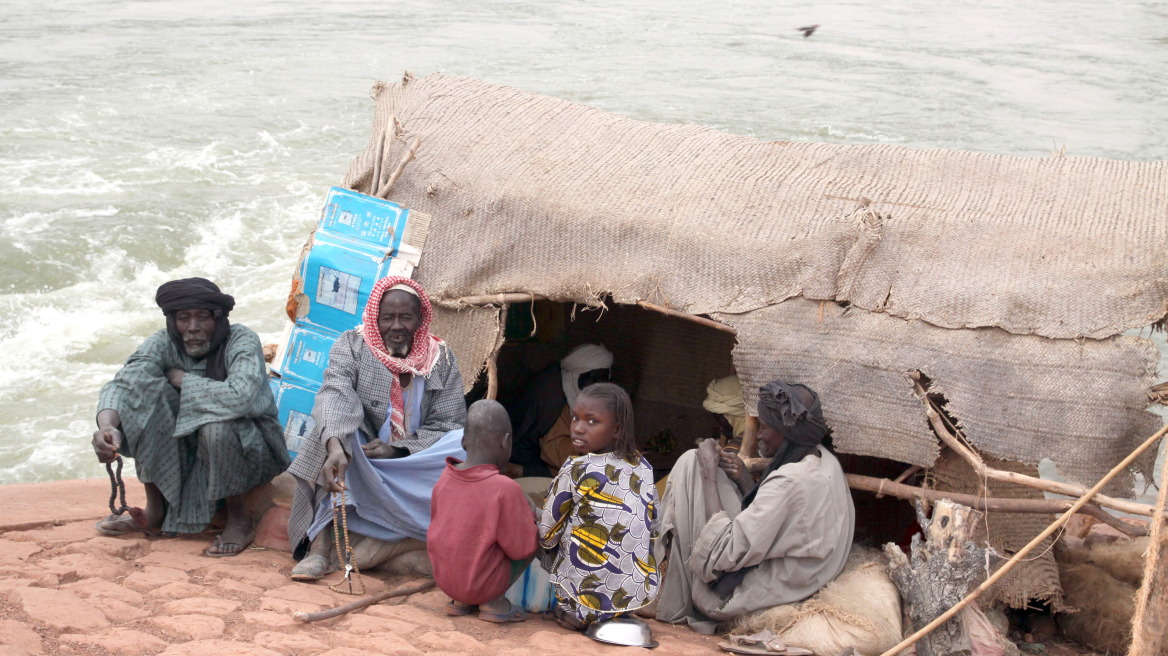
x=596, y=532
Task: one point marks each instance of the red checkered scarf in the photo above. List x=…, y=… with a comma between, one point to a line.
x=423, y=353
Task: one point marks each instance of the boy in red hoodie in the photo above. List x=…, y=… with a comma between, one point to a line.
x=482, y=528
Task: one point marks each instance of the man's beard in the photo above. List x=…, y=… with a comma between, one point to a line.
x=197, y=349
x=399, y=350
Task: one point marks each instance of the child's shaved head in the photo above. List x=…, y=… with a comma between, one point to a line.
x=488, y=433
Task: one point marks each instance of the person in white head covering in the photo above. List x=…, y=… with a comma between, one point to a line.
x=542, y=417
x=581, y=360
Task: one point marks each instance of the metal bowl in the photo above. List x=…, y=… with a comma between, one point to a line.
x=627, y=631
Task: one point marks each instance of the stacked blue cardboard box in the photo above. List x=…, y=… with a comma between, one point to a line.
x=359, y=240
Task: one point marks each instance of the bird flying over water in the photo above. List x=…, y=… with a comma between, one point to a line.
x=809, y=30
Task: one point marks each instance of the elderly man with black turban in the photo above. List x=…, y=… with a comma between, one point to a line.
x=738, y=546
x=193, y=409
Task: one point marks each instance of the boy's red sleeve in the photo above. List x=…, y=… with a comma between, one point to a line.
x=517, y=535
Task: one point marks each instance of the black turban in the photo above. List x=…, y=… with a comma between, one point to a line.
x=795, y=411
x=192, y=294
x=198, y=294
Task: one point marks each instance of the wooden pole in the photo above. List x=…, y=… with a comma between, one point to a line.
x=953, y=440
x=401, y=166
x=1150, y=620
x=1021, y=554
x=520, y=297
x=492, y=377
x=493, y=360
x=376, y=181
x=709, y=323
x=498, y=299
x=883, y=486
x=750, y=438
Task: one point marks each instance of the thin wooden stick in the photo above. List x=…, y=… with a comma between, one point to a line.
x=750, y=437
x=1017, y=557
x=690, y=317
x=401, y=166
x=521, y=297
x=493, y=377
x=981, y=469
x=1150, y=621
x=301, y=616
x=885, y=487
x=376, y=181
x=493, y=359
x=499, y=299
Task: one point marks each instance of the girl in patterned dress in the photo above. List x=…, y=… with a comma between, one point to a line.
x=597, y=526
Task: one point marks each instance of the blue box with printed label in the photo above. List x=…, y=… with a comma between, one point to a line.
x=304, y=354
x=294, y=401
x=352, y=215
x=337, y=276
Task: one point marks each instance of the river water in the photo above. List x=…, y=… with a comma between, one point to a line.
x=144, y=141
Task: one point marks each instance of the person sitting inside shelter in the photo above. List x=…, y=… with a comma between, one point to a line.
x=388, y=414
x=542, y=415
x=739, y=546
x=724, y=401
x=193, y=409
x=482, y=526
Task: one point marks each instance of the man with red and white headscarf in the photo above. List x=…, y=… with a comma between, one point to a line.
x=390, y=411
x=193, y=409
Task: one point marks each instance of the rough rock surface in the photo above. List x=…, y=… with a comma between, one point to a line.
x=64, y=589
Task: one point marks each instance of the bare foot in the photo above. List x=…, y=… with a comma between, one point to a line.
x=234, y=539
x=238, y=533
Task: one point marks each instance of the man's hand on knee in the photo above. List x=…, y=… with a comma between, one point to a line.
x=106, y=442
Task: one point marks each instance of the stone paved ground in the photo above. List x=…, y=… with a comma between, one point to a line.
x=64, y=589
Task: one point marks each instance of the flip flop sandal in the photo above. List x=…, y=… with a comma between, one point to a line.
x=457, y=608
x=115, y=525
x=219, y=544
x=514, y=614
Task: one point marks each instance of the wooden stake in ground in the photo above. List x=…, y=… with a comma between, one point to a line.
x=1151, y=617
x=942, y=570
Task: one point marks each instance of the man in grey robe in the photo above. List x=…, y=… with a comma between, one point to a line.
x=736, y=546
x=390, y=411
x=193, y=408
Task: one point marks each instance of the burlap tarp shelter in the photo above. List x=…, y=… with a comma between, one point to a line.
x=1008, y=281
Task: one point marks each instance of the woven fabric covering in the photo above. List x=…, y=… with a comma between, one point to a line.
x=1037, y=576
x=961, y=265
x=530, y=193
x=1015, y=397
x=472, y=333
